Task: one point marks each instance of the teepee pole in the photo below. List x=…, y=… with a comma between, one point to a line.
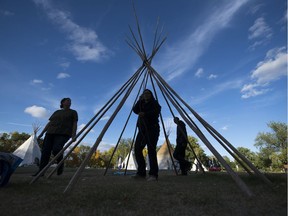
x=205, y=124
x=125, y=125
x=163, y=127
x=83, y=129
x=105, y=108
x=235, y=177
x=165, y=98
x=96, y=144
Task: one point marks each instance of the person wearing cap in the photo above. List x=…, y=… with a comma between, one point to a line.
x=148, y=111
x=61, y=127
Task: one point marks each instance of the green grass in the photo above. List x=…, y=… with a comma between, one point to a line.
x=96, y=194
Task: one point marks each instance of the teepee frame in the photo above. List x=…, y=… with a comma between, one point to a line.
x=171, y=97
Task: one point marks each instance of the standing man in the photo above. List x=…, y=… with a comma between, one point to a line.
x=148, y=110
x=181, y=144
x=61, y=127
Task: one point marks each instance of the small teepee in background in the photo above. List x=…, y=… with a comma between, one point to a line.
x=164, y=158
x=130, y=162
x=29, y=151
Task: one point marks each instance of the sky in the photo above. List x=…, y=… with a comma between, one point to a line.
x=226, y=59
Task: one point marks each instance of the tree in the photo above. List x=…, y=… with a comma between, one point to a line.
x=273, y=145
x=10, y=142
x=250, y=155
x=197, y=149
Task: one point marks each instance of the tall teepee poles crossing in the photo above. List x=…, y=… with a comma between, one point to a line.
x=171, y=97
x=99, y=139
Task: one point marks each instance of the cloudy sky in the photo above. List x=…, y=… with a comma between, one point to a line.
x=226, y=59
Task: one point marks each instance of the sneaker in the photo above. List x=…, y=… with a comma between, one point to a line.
x=152, y=178
x=138, y=177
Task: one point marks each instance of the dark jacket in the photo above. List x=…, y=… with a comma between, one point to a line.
x=181, y=133
x=151, y=113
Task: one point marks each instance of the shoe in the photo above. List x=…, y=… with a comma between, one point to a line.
x=152, y=178
x=138, y=177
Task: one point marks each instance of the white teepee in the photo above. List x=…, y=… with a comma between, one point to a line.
x=195, y=166
x=132, y=164
x=164, y=158
x=29, y=151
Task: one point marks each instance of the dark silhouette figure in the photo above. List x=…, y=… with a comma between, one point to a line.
x=61, y=127
x=148, y=110
x=181, y=145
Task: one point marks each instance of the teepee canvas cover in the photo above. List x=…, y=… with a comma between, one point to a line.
x=195, y=166
x=132, y=165
x=29, y=151
x=164, y=158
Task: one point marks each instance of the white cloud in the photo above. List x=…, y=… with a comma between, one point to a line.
x=37, y=112
x=260, y=32
x=6, y=13
x=65, y=64
x=212, y=76
x=62, y=75
x=84, y=42
x=225, y=128
x=104, y=118
x=182, y=56
x=272, y=68
x=260, y=29
x=222, y=87
x=36, y=81
x=199, y=72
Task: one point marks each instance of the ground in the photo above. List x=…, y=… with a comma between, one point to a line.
x=213, y=193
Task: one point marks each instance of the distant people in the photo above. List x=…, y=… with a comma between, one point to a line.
x=148, y=110
x=61, y=127
x=181, y=144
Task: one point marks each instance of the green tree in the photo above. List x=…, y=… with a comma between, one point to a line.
x=247, y=153
x=273, y=145
x=197, y=149
x=10, y=142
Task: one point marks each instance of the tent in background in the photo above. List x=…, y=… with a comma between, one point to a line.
x=164, y=158
x=132, y=164
x=195, y=166
x=29, y=151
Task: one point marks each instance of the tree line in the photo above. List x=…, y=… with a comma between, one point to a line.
x=271, y=157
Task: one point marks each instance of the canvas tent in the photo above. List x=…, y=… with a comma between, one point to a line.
x=29, y=151
x=164, y=158
x=195, y=166
x=131, y=163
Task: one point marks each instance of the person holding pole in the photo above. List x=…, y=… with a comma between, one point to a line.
x=148, y=111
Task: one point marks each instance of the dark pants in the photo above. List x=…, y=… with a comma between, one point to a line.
x=179, y=154
x=149, y=138
x=53, y=143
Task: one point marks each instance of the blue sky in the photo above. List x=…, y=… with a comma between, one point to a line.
x=226, y=59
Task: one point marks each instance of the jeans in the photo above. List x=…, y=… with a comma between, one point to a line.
x=53, y=143
x=149, y=138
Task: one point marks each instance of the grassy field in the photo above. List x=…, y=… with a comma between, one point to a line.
x=96, y=194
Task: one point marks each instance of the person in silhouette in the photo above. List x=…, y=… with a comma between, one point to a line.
x=148, y=110
x=61, y=127
x=181, y=145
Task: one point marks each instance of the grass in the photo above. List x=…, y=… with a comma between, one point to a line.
x=96, y=194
